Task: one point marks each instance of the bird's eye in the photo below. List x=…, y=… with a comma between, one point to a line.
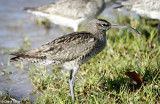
x=104, y=25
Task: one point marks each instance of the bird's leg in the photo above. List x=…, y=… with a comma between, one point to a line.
x=72, y=81
x=71, y=84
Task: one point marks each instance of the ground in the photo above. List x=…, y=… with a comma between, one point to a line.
x=102, y=80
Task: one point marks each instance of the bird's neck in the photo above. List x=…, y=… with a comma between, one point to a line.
x=101, y=5
x=101, y=35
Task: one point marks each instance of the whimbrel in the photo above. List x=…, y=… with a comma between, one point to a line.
x=71, y=50
x=148, y=8
x=70, y=13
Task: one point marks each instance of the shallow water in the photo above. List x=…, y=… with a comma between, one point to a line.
x=15, y=25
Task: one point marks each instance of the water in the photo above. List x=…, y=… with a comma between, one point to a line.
x=15, y=25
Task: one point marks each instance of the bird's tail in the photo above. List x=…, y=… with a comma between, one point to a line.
x=35, y=11
x=19, y=56
x=30, y=9
x=30, y=56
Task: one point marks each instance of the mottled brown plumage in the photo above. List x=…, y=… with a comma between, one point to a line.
x=70, y=13
x=60, y=50
x=149, y=8
x=71, y=50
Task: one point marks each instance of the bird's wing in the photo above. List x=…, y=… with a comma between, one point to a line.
x=148, y=5
x=69, y=47
x=145, y=5
x=65, y=48
x=71, y=8
x=149, y=8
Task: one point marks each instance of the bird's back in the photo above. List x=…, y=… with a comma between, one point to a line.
x=149, y=8
x=72, y=8
x=75, y=46
x=70, y=13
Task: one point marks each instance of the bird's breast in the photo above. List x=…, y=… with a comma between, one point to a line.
x=99, y=46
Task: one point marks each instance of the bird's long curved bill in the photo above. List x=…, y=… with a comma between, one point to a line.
x=123, y=26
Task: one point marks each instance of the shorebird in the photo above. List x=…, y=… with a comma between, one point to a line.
x=148, y=8
x=72, y=50
x=69, y=13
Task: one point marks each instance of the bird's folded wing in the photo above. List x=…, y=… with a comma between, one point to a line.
x=70, y=8
x=69, y=47
x=65, y=48
x=141, y=5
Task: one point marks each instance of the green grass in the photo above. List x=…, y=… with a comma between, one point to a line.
x=125, y=51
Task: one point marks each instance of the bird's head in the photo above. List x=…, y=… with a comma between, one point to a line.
x=99, y=25
x=103, y=25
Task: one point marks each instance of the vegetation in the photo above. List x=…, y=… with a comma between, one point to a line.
x=102, y=80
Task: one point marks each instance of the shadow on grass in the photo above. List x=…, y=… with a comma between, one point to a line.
x=149, y=77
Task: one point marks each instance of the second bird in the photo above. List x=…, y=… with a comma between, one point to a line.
x=70, y=13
